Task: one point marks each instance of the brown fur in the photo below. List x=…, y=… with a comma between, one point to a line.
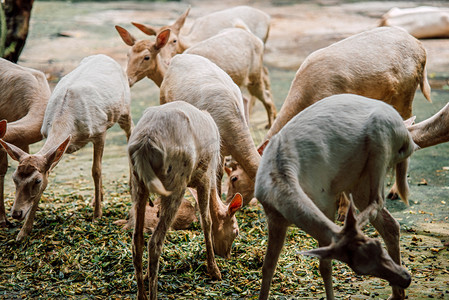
x=25, y=93
x=184, y=217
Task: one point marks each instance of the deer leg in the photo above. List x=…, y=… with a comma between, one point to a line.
x=126, y=123
x=326, y=273
x=206, y=223
x=139, y=194
x=389, y=229
x=343, y=205
x=3, y=169
x=219, y=175
x=169, y=207
x=247, y=107
x=258, y=90
x=96, y=175
x=277, y=229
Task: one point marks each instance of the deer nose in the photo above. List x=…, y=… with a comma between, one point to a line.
x=16, y=214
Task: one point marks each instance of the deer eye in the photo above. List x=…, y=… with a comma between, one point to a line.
x=37, y=181
x=234, y=178
x=146, y=58
x=174, y=41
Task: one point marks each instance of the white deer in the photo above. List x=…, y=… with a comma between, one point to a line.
x=84, y=104
x=433, y=130
x=237, y=51
x=209, y=88
x=373, y=64
x=175, y=146
x=421, y=22
x=341, y=143
x=250, y=18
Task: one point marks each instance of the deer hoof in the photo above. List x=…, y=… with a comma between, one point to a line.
x=215, y=273
x=21, y=236
x=393, y=196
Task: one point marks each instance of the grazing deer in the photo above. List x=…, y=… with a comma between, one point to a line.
x=341, y=143
x=25, y=93
x=84, y=104
x=175, y=146
x=183, y=219
x=372, y=64
x=209, y=88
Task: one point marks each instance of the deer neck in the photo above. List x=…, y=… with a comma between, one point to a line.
x=58, y=131
x=303, y=212
x=432, y=131
x=159, y=72
x=27, y=130
x=216, y=206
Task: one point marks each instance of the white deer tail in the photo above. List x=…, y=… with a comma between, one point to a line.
x=142, y=155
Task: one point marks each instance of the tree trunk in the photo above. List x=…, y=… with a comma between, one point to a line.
x=2, y=29
x=17, y=13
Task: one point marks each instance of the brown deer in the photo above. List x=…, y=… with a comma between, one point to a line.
x=25, y=93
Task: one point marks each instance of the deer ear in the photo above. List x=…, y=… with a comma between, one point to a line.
x=262, y=147
x=15, y=152
x=350, y=220
x=321, y=253
x=228, y=171
x=410, y=121
x=180, y=21
x=149, y=30
x=162, y=38
x=55, y=155
x=3, y=125
x=236, y=204
x=126, y=36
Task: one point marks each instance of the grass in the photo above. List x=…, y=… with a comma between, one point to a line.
x=69, y=256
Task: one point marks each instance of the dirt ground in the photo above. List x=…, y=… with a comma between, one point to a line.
x=63, y=33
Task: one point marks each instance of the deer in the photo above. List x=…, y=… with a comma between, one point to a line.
x=421, y=22
x=166, y=160
x=305, y=167
x=237, y=51
x=431, y=131
x=183, y=219
x=252, y=19
x=84, y=104
x=209, y=88
x=25, y=93
x=372, y=64
x=214, y=92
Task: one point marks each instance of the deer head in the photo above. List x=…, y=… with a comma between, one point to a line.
x=143, y=60
x=31, y=175
x=364, y=255
x=174, y=45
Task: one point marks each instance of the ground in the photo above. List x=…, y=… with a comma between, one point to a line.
x=62, y=33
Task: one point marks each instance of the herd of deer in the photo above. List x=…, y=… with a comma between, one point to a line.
x=330, y=146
